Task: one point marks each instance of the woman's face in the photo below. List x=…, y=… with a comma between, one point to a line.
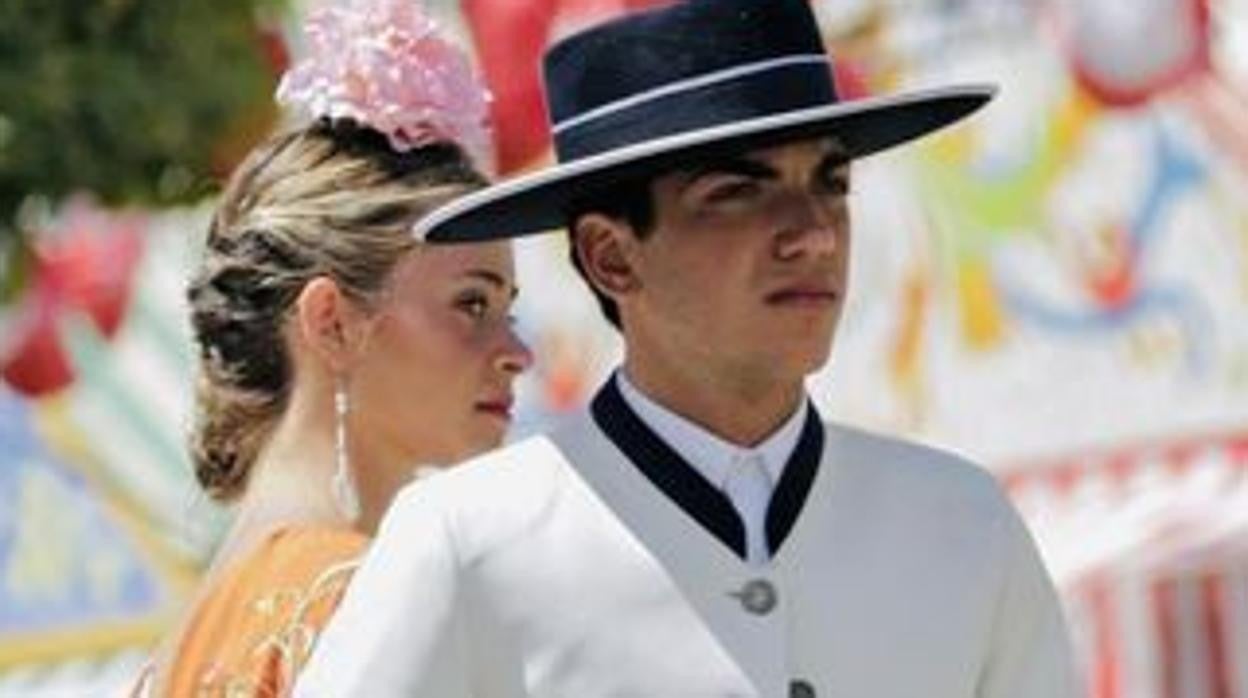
x=434, y=384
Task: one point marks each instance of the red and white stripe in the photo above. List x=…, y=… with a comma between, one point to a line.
x=1149, y=547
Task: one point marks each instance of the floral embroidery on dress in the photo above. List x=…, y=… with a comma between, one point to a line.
x=276, y=658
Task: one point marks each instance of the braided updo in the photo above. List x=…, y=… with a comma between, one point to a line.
x=331, y=199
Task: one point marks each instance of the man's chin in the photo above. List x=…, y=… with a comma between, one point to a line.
x=791, y=368
x=813, y=358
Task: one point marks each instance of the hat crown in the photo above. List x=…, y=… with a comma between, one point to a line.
x=654, y=91
x=698, y=44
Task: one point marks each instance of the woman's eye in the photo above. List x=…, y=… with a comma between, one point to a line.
x=476, y=306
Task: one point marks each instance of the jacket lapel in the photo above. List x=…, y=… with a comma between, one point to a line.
x=707, y=571
x=700, y=500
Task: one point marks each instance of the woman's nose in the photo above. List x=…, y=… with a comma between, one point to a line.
x=516, y=357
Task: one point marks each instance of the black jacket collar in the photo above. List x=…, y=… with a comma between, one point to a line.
x=664, y=467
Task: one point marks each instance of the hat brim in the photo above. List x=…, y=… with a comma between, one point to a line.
x=538, y=202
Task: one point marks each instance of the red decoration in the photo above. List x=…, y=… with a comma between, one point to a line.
x=248, y=128
x=510, y=37
x=851, y=79
x=1112, y=282
x=1127, y=53
x=85, y=265
x=274, y=49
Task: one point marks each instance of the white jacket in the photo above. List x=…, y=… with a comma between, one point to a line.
x=556, y=568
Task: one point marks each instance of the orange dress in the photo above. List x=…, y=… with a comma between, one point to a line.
x=255, y=628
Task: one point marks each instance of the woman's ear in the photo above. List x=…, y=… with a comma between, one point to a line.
x=606, y=250
x=329, y=323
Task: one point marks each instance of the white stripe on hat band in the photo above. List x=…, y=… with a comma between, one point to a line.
x=689, y=84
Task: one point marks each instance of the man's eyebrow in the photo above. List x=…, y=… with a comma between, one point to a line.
x=730, y=166
x=493, y=278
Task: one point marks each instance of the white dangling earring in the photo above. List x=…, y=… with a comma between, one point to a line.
x=343, y=485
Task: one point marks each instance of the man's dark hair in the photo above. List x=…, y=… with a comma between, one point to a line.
x=629, y=200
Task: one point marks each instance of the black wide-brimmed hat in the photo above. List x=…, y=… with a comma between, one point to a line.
x=653, y=89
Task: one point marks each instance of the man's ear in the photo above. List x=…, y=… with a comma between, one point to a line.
x=329, y=323
x=606, y=249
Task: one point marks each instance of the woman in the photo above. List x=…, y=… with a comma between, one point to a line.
x=337, y=353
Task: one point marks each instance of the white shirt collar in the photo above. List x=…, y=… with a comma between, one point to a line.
x=709, y=454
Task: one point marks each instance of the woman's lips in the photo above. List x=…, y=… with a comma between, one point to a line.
x=500, y=408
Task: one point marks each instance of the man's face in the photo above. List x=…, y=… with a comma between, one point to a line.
x=745, y=269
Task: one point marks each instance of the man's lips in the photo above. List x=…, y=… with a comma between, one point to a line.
x=814, y=296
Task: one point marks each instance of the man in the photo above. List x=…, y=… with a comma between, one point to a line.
x=699, y=531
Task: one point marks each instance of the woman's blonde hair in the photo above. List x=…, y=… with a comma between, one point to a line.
x=332, y=199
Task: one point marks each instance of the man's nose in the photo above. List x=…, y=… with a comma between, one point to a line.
x=811, y=227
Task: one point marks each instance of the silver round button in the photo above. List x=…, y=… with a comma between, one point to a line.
x=801, y=689
x=758, y=596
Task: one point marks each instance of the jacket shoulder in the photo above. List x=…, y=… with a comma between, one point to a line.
x=492, y=498
x=912, y=475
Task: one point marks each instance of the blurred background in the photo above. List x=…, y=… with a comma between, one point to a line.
x=1058, y=289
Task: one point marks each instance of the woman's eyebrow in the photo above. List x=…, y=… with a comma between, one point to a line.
x=494, y=278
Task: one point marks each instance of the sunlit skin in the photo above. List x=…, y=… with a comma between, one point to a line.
x=734, y=296
x=428, y=369
x=434, y=383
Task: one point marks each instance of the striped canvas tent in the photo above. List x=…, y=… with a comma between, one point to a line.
x=1149, y=546
x=101, y=527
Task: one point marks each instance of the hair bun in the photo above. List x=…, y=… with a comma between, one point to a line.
x=231, y=317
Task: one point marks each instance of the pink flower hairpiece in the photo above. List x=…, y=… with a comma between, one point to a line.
x=384, y=64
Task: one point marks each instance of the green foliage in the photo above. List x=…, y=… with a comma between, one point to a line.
x=131, y=100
